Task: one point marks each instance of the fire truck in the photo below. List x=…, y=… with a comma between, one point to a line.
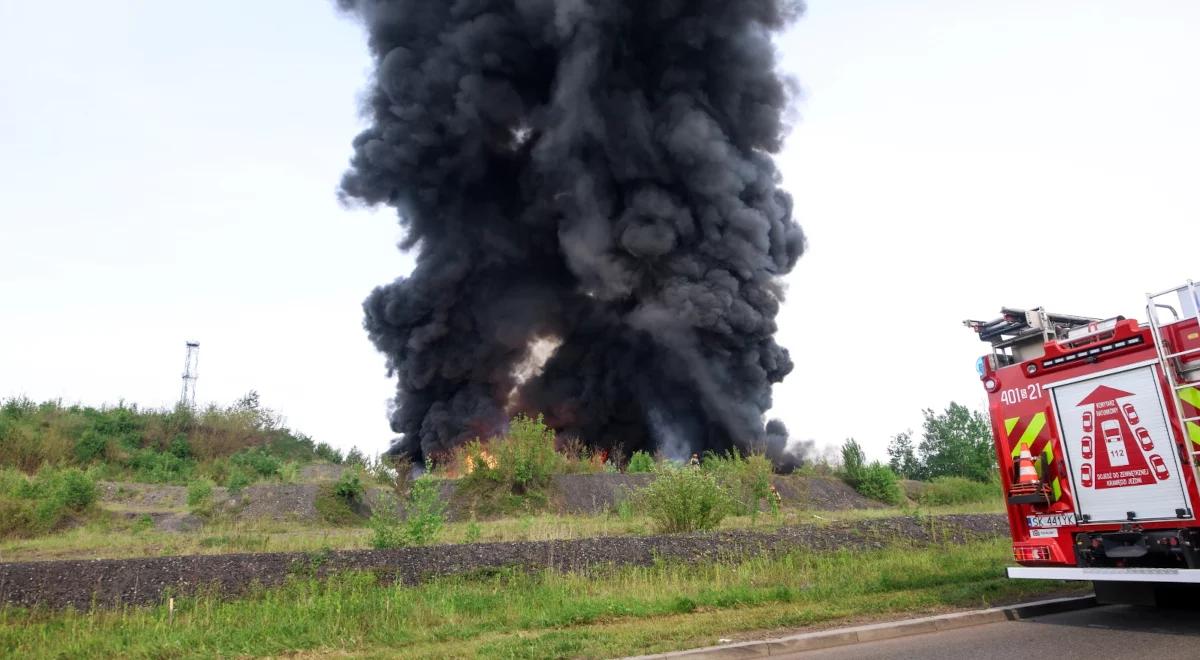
x=1096, y=424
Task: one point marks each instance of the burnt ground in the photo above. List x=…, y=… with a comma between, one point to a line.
x=112, y=582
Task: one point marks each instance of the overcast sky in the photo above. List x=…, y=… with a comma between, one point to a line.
x=168, y=172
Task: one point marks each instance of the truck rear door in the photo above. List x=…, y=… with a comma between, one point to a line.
x=1121, y=453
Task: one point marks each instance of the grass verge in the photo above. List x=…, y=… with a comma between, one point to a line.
x=602, y=613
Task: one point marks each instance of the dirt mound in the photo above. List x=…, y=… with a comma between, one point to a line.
x=284, y=502
x=583, y=494
x=821, y=494
x=143, y=496
x=593, y=493
x=321, y=472
x=111, y=582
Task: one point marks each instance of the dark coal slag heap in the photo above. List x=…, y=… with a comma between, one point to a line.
x=590, y=175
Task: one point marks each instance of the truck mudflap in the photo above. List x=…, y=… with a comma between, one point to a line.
x=1166, y=575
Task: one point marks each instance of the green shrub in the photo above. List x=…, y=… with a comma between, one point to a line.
x=878, y=482
x=31, y=506
x=522, y=462
x=158, y=467
x=237, y=481
x=289, y=472
x=640, y=462
x=326, y=452
x=335, y=509
x=854, y=462
x=90, y=446
x=200, y=497
x=958, y=490
x=423, y=518
x=525, y=457
x=18, y=518
x=180, y=447
x=76, y=490
x=747, y=479
x=474, y=531
x=349, y=486
x=684, y=500
x=426, y=511
x=257, y=461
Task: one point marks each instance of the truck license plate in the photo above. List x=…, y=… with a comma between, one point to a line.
x=1053, y=520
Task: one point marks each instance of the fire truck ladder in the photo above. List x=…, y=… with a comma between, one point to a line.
x=1169, y=360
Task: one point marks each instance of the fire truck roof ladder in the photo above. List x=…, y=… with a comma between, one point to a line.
x=1170, y=359
x=1018, y=327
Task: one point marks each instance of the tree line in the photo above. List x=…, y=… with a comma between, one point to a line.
x=954, y=443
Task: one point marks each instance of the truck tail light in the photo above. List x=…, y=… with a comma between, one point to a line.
x=991, y=385
x=1031, y=553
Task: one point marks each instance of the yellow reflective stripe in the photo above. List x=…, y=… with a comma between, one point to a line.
x=1057, y=488
x=1031, y=433
x=1049, y=452
x=1190, y=395
x=1194, y=432
x=1009, y=424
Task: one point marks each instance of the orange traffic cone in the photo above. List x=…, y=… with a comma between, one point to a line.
x=1026, y=474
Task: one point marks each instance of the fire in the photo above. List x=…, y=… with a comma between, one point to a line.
x=484, y=459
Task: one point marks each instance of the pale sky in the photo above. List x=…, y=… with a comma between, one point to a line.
x=168, y=172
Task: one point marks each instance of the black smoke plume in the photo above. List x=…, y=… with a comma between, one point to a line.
x=598, y=224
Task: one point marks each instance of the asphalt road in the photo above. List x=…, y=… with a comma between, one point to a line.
x=1115, y=631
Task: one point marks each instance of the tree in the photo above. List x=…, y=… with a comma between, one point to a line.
x=903, y=457
x=957, y=443
x=854, y=461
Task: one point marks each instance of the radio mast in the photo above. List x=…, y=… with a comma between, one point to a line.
x=190, y=373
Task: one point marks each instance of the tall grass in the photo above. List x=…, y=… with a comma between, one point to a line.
x=603, y=613
x=943, y=491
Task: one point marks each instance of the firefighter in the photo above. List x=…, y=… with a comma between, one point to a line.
x=694, y=463
x=778, y=499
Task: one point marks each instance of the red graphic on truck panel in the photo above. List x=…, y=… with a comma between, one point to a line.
x=1143, y=437
x=1119, y=461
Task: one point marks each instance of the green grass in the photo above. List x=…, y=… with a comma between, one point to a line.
x=609, y=612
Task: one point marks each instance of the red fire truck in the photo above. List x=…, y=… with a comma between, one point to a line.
x=1109, y=412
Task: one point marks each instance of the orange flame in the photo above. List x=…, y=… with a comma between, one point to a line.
x=484, y=459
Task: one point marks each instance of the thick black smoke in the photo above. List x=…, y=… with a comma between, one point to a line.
x=588, y=179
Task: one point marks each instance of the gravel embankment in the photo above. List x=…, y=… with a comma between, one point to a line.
x=109, y=582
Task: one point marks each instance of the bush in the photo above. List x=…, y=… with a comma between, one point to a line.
x=958, y=490
x=237, y=481
x=335, y=509
x=257, y=461
x=640, y=462
x=522, y=461
x=747, y=479
x=854, y=462
x=424, y=516
x=199, y=497
x=326, y=452
x=156, y=467
x=77, y=491
x=878, y=482
x=90, y=446
x=180, y=447
x=525, y=457
x=30, y=506
x=684, y=500
x=349, y=486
